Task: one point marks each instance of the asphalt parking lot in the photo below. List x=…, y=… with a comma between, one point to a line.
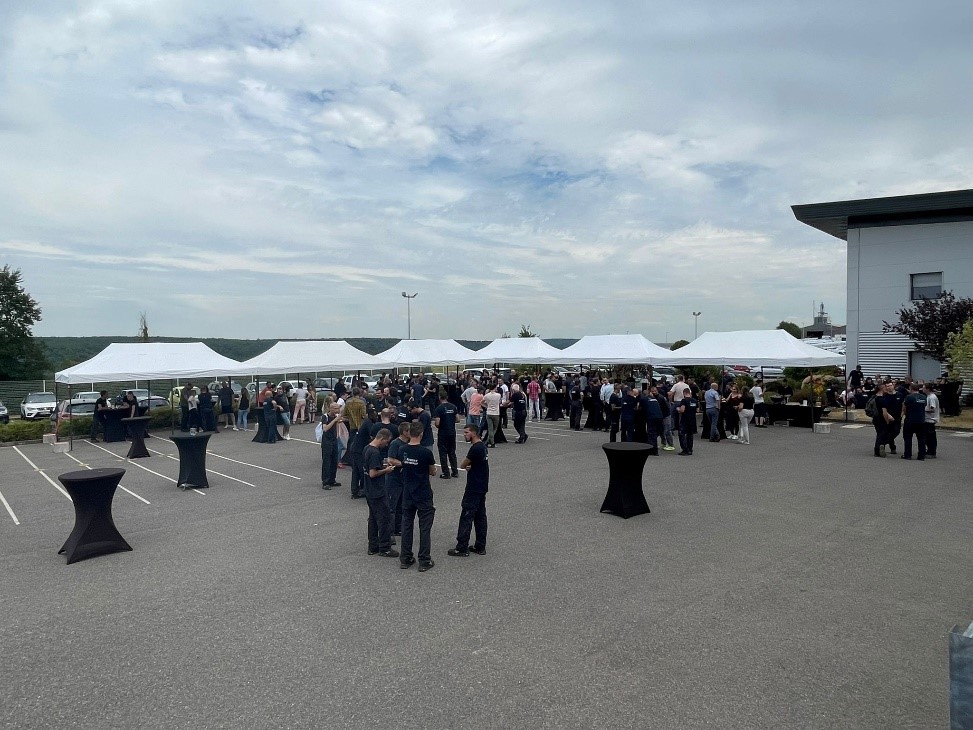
x=795, y=583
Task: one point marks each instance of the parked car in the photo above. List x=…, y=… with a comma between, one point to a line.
x=66, y=410
x=325, y=383
x=37, y=405
x=156, y=401
x=174, y=394
x=139, y=393
x=4, y=415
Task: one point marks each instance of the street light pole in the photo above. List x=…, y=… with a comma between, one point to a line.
x=696, y=324
x=408, y=306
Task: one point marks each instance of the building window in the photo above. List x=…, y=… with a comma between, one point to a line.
x=927, y=286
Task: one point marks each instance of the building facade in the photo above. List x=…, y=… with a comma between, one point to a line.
x=900, y=249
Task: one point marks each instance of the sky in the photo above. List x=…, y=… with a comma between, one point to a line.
x=288, y=169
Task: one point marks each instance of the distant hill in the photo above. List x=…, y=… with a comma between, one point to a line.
x=63, y=352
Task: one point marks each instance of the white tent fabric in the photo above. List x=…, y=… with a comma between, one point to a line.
x=614, y=350
x=428, y=352
x=150, y=361
x=753, y=348
x=519, y=351
x=310, y=357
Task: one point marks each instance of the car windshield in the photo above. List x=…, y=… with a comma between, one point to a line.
x=82, y=408
x=40, y=398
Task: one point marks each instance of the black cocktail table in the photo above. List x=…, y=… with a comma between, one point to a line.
x=137, y=428
x=192, y=459
x=94, y=530
x=114, y=428
x=625, y=463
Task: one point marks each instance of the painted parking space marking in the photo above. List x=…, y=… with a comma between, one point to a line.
x=211, y=471
x=962, y=435
x=255, y=466
x=854, y=425
x=54, y=484
x=124, y=489
x=145, y=468
x=9, y=510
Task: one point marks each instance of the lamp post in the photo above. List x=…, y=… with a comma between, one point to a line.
x=408, y=299
x=696, y=324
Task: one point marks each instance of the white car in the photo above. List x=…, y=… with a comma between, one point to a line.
x=37, y=405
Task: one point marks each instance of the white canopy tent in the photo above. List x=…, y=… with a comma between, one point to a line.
x=428, y=353
x=520, y=351
x=150, y=361
x=614, y=350
x=753, y=348
x=312, y=356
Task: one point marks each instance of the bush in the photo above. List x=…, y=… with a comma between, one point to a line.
x=24, y=431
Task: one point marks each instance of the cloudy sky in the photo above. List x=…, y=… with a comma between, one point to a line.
x=287, y=169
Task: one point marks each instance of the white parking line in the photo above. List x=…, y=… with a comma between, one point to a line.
x=211, y=471
x=54, y=484
x=80, y=463
x=854, y=425
x=963, y=435
x=255, y=466
x=10, y=511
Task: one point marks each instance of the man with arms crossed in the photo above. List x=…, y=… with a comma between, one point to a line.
x=474, y=498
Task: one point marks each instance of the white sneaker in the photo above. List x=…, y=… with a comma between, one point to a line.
x=235, y=428
x=287, y=437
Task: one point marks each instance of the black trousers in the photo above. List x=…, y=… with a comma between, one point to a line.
x=357, y=474
x=395, y=504
x=575, y=415
x=613, y=434
x=931, y=440
x=329, y=461
x=520, y=425
x=447, y=453
x=919, y=431
x=473, y=514
x=379, y=524
x=628, y=429
x=183, y=416
x=654, y=427
x=686, y=441
x=426, y=513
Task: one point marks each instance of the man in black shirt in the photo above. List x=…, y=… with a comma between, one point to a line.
x=421, y=415
x=445, y=420
x=892, y=413
x=379, y=518
x=474, y=498
x=627, y=414
x=418, y=464
x=98, y=417
x=615, y=411
x=393, y=481
x=915, y=422
x=357, y=447
x=575, y=401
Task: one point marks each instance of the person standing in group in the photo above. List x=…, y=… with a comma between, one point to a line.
x=357, y=448
x=915, y=423
x=445, y=422
x=932, y=420
x=745, y=411
x=379, y=518
x=300, y=404
x=418, y=465
x=100, y=414
x=270, y=409
x=312, y=403
x=206, y=412
x=892, y=413
x=677, y=393
x=329, y=446
x=243, y=412
x=518, y=403
x=491, y=402
x=354, y=412
x=626, y=416
x=875, y=408
x=474, y=413
x=184, y=406
x=283, y=411
x=534, y=398
x=473, y=512
x=226, y=397
x=654, y=420
x=713, y=402
x=575, y=404
x=393, y=481
x=759, y=406
x=731, y=412
x=687, y=424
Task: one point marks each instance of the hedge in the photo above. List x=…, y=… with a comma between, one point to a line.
x=24, y=430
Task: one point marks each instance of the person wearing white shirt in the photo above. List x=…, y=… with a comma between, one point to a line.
x=759, y=406
x=932, y=420
x=300, y=404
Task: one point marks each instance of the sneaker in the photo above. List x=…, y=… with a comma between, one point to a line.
x=456, y=553
x=373, y=552
x=389, y=553
x=668, y=448
x=456, y=474
x=478, y=551
x=326, y=487
x=881, y=450
x=423, y=567
x=235, y=428
x=444, y=476
x=406, y=564
x=683, y=453
x=287, y=437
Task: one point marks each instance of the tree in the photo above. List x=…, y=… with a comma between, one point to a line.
x=21, y=357
x=525, y=331
x=678, y=343
x=791, y=328
x=929, y=322
x=143, y=328
x=959, y=350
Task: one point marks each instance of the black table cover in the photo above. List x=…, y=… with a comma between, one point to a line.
x=192, y=459
x=625, y=463
x=261, y=436
x=114, y=428
x=94, y=530
x=794, y=414
x=554, y=403
x=137, y=450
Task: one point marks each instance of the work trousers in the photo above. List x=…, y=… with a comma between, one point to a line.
x=379, y=524
x=520, y=425
x=931, y=441
x=919, y=431
x=575, y=415
x=686, y=441
x=654, y=428
x=329, y=460
x=613, y=432
x=357, y=474
x=395, y=504
x=473, y=514
x=628, y=429
x=426, y=513
x=447, y=453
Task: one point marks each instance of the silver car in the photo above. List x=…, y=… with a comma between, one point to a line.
x=37, y=405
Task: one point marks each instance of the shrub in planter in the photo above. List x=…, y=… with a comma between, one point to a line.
x=24, y=431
